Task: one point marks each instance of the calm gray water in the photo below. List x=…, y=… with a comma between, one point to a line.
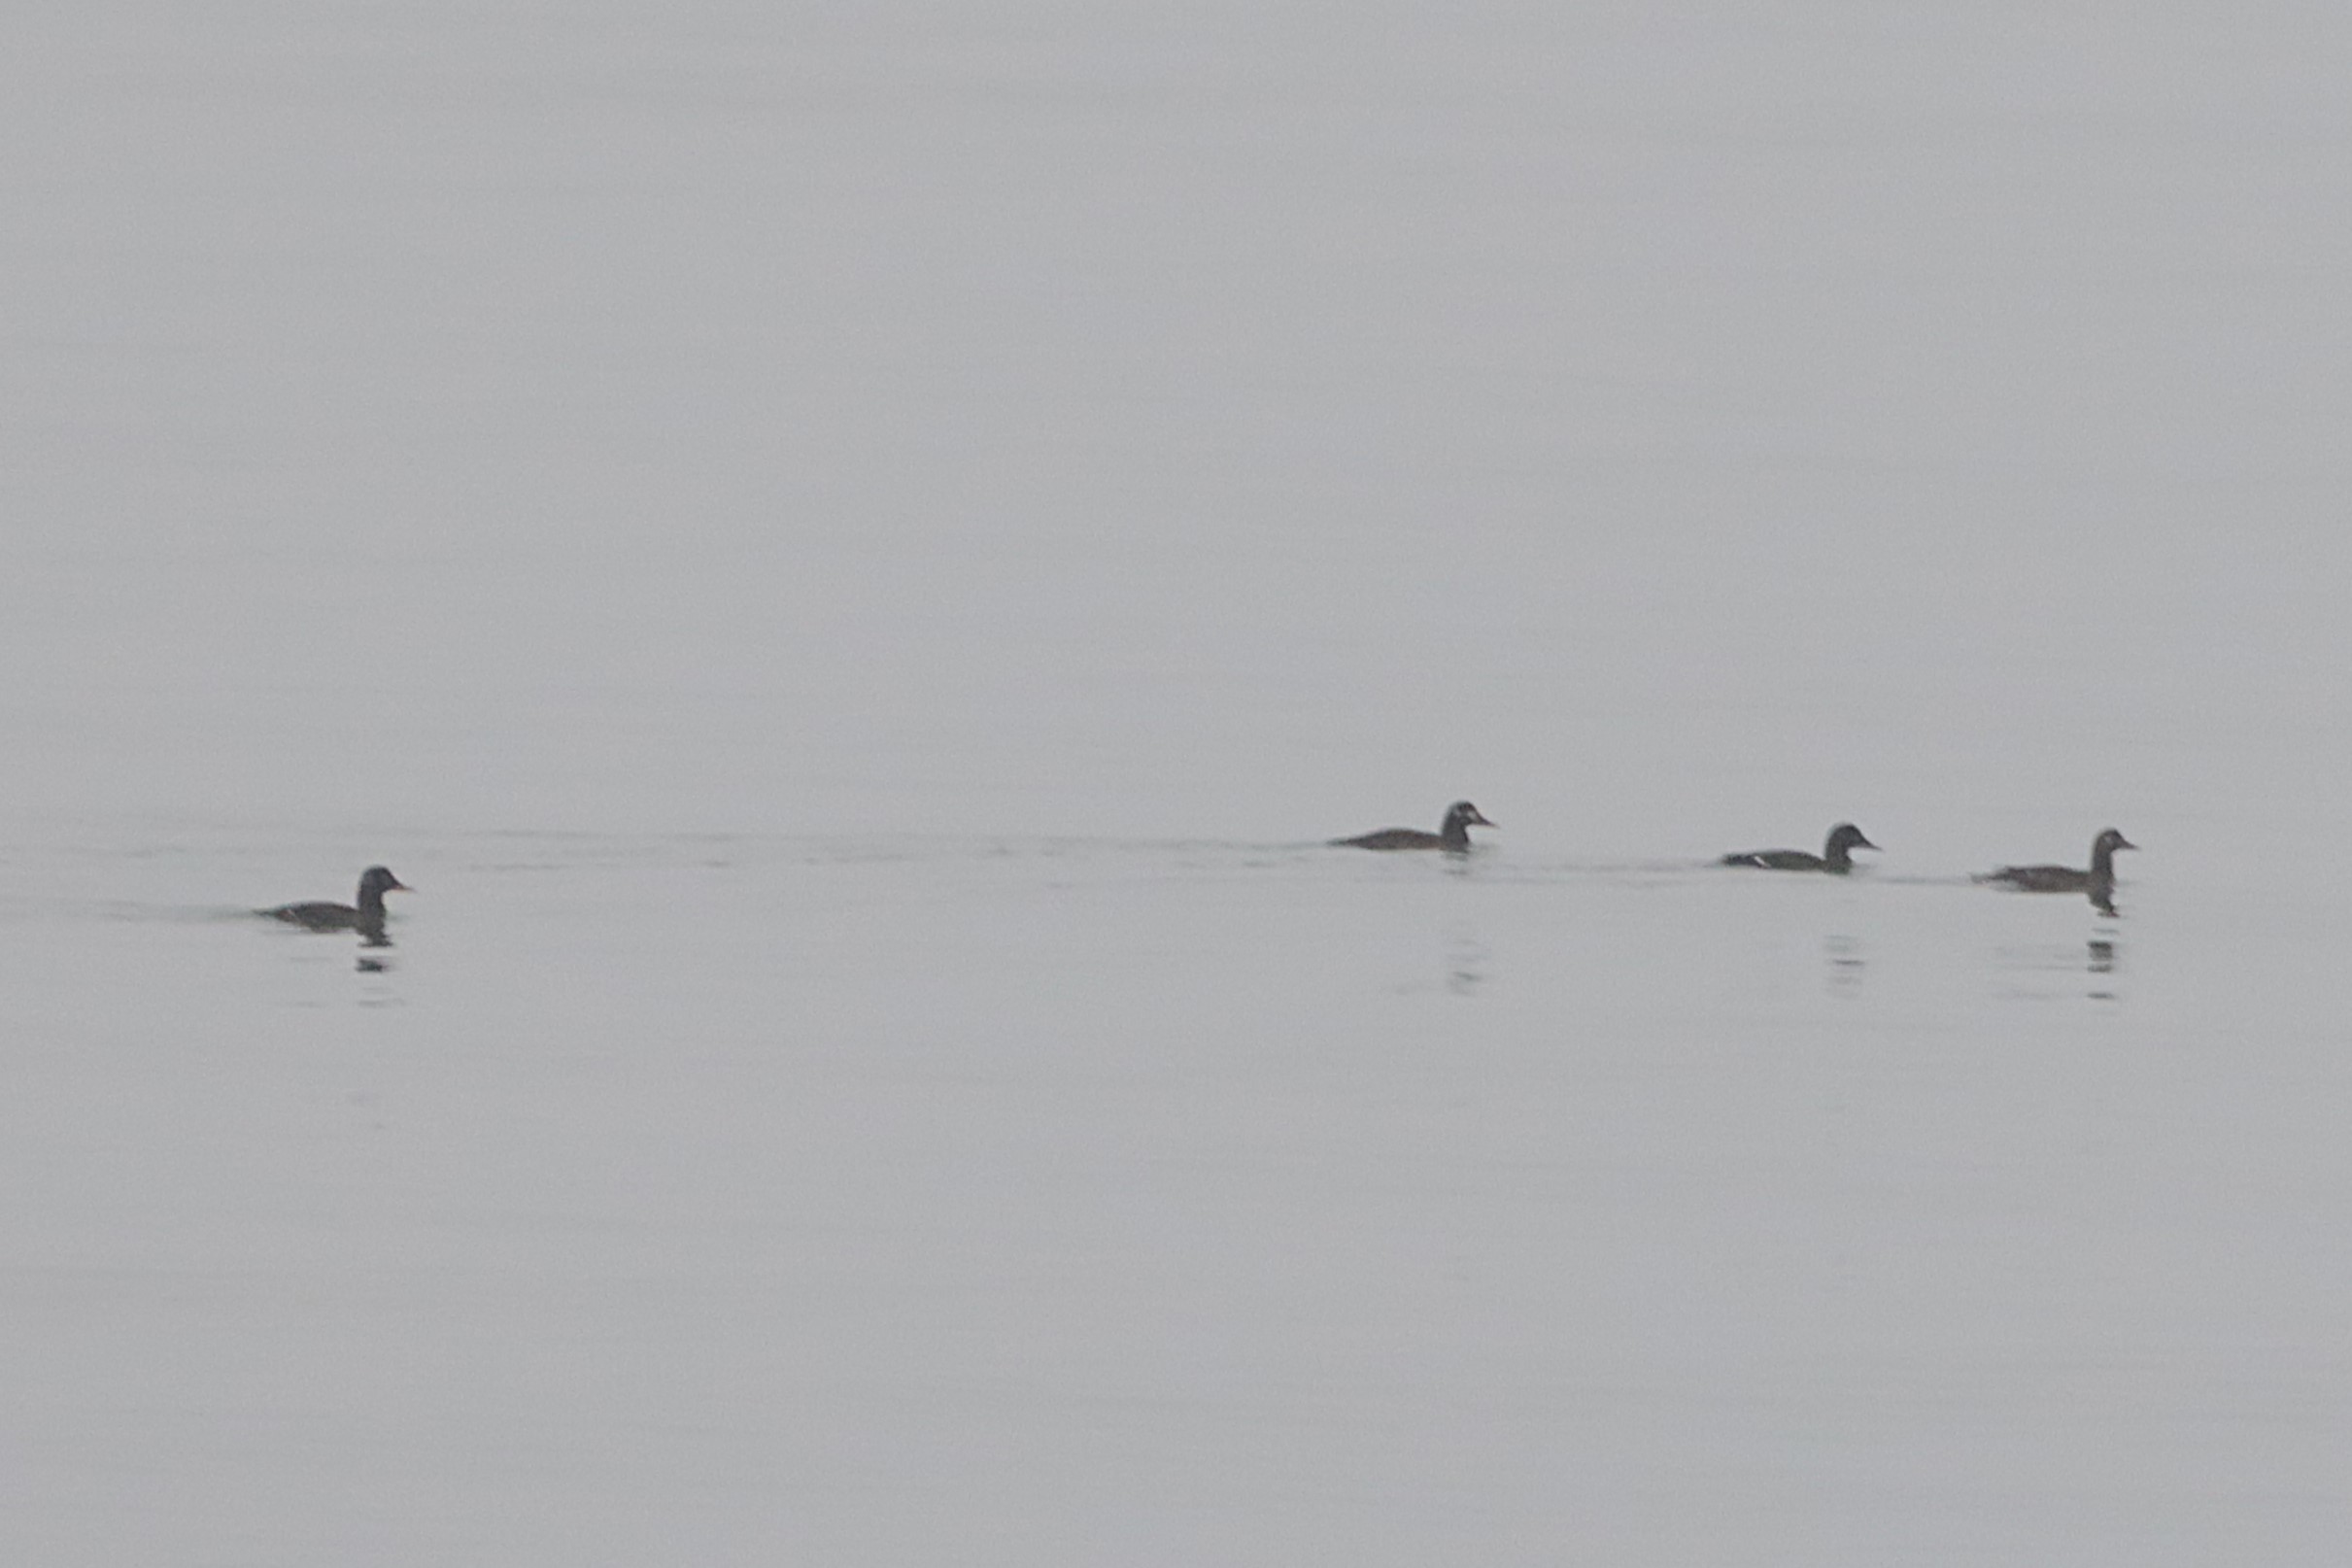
x=852, y=556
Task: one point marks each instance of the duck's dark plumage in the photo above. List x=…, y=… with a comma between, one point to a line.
x=2099, y=881
x=366, y=916
x=1454, y=833
x=1836, y=856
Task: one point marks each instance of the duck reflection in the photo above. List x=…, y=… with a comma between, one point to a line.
x=373, y=945
x=2102, y=965
x=1844, y=957
x=2099, y=958
x=1466, y=963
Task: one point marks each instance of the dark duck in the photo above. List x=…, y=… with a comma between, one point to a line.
x=2099, y=881
x=1453, y=834
x=1836, y=856
x=366, y=916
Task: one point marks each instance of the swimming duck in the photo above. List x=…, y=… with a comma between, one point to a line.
x=1453, y=834
x=1836, y=856
x=2099, y=881
x=368, y=916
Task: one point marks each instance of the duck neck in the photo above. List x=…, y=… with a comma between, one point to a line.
x=2102, y=864
x=1454, y=833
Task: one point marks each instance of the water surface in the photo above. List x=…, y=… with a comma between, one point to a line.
x=852, y=559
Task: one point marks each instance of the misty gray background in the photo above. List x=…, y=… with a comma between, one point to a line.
x=851, y=552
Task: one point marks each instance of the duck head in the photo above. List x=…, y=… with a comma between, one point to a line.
x=378, y=880
x=1845, y=837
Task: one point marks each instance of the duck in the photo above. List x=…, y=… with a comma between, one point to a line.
x=1453, y=834
x=2099, y=881
x=366, y=916
x=1836, y=856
